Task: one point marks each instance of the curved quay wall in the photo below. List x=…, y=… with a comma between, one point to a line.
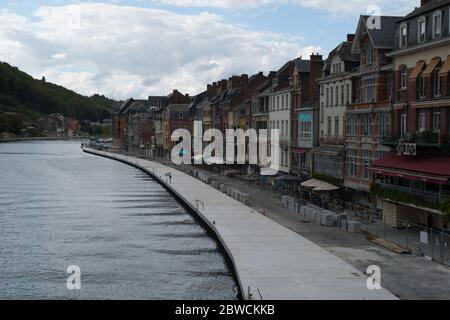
x=270, y=261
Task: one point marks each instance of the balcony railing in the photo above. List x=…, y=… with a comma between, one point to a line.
x=426, y=138
x=333, y=140
x=406, y=196
x=428, y=196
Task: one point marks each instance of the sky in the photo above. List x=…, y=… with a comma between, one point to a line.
x=137, y=48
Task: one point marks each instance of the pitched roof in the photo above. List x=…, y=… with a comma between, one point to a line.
x=382, y=38
x=155, y=100
x=175, y=110
x=199, y=99
x=344, y=50
x=432, y=5
x=124, y=106
x=302, y=65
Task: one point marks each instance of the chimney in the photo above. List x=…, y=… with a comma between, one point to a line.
x=350, y=37
x=235, y=82
x=244, y=80
x=223, y=85
x=424, y=2
x=317, y=64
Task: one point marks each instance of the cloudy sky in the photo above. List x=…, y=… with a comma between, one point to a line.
x=136, y=48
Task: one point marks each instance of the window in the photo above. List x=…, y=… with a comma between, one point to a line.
x=348, y=93
x=403, y=35
x=329, y=127
x=328, y=97
x=337, y=96
x=321, y=90
x=366, y=125
x=370, y=90
x=358, y=90
x=351, y=126
x=336, y=127
x=332, y=97
x=437, y=82
x=404, y=124
x=342, y=95
x=422, y=125
x=365, y=163
x=437, y=121
x=437, y=24
x=382, y=124
x=420, y=88
x=351, y=162
x=322, y=113
x=368, y=51
x=282, y=102
x=305, y=130
x=422, y=30
x=404, y=78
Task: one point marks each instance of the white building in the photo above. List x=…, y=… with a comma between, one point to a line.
x=280, y=118
x=335, y=96
x=280, y=101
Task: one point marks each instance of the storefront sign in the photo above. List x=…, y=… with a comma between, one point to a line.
x=406, y=149
x=305, y=117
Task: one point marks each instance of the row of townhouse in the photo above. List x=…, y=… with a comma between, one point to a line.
x=384, y=115
x=374, y=116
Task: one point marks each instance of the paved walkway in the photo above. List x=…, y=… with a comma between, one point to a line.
x=407, y=276
x=273, y=261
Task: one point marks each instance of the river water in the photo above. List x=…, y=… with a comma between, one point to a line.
x=130, y=238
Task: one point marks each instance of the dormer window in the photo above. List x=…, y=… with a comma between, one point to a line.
x=275, y=82
x=437, y=82
x=422, y=29
x=437, y=24
x=403, y=35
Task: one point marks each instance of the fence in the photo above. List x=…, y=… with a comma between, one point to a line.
x=430, y=243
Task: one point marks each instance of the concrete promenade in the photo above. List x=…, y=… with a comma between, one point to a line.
x=273, y=261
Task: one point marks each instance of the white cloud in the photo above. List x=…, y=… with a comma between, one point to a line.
x=59, y=56
x=332, y=6
x=126, y=51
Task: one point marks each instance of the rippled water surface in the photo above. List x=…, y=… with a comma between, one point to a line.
x=131, y=239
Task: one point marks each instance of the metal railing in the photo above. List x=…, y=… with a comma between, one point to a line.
x=430, y=196
x=433, y=244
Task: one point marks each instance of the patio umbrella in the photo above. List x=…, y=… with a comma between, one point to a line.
x=324, y=186
x=313, y=183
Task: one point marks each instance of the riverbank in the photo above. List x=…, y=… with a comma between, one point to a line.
x=271, y=262
x=44, y=139
x=409, y=277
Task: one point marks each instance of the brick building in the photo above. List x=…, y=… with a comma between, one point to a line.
x=420, y=167
x=369, y=117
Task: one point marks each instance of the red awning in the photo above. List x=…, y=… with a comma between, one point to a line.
x=299, y=150
x=430, y=168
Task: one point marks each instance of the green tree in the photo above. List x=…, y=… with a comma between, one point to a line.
x=15, y=123
x=3, y=123
x=445, y=208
